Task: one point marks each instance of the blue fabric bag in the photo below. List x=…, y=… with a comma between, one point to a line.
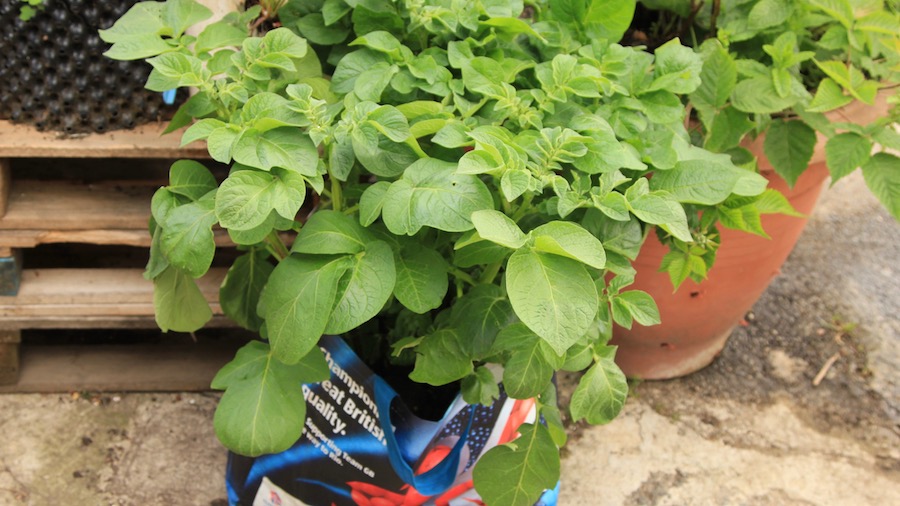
x=361, y=446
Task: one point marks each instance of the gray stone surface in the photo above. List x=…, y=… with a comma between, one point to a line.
x=751, y=429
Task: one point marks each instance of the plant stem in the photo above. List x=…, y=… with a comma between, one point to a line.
x=489, y=273
x=462, y=275
x=336, y=196
x=524, y=207
x=714, y=17
x=414, y=144
x=276, y=246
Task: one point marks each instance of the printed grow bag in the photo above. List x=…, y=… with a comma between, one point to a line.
x=349, y=456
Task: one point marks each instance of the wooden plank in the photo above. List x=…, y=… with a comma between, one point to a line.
x=9, y=363
x=8, y=323
x=146, y=141
x=138, y=238
x=66, y=205
x=176, y=367
x=100, y=287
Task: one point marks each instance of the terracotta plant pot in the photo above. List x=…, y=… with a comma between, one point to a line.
x=699, y=317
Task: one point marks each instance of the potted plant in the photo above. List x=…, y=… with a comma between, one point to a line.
x=476, y=182
x=798, y=90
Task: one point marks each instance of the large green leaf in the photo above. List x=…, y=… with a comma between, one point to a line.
x=554, y=295
x=331, y=232
x=239, y=294
x=600, y=394
x=479, y=315
x=677, y=68
x=178, y=302
x=285, y=147
x=758, y=95
x=421, y=278
x=845, y=152
x=708, y=180
x=499, y=228
x=263, y=410
x=531, y=364
x=789, y=146
x=431, y=194
x=364, y=288
x=607, y=19
x=718, y=78
x=298, y=300
x=518, y=472
x=570, y=240
x=247, y=197
x=188, y=241
x=441, y=358
x=882, y=175
x=191, y=179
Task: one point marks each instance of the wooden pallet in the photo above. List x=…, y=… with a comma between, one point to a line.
x=107, y=212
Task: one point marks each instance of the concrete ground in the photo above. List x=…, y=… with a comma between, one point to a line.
x=751, y=429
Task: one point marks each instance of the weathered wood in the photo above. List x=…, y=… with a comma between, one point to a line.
x=139, y=238
x=66, y=205
x=10, y=273
x=10, y=336
x=60, y=295
x=9, y=363
x=95, y=322
x=156, y=367
x=146, y=141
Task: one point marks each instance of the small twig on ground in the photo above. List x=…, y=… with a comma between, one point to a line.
x=825, y=368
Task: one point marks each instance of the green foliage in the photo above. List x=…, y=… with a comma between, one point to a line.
x=478, y=179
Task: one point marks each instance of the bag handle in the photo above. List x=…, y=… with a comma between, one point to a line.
x=439, y=478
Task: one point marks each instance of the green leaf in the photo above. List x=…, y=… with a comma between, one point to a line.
x=380, y=155
x=284, y=41
x=201, y=130
x=829, y=96
x=609, y=19
x=138, y=47
x=638, y=305
x=480, y=387
x=677, y=68
x=142, y=18
x=182, y=14
x=247, y=197
x=441, y=359
x=218, y=35
x=728, y=128
x=380, y=41
x=431, y=194
x=371, y=202
x=479, y=315
x=789, y=146
x=772, y=201
x=421, y=278
x=288, y=148
x=314, y=29
x=499, y=228
x=263, y=409
x=845, y=152
x=769, y=13
x=518, y=472
x=882, y=175
x=718, y=78
x=352, y=65
x=191, y=179
x=570, y=240
x=188, y=241
x=239, y=294
x=298, y=300
x=390, y=122
x=707, y=180
x=220, y=143
x=841, y=10
x=600, y=394
x=527, y=372
x=758, y=95
x=178, y=302
x=364, y=288
x=331, y=232
x=555, y=296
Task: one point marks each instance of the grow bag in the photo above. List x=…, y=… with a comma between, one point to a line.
x=53, y=74
x=362, y=446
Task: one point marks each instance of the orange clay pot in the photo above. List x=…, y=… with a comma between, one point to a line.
x=699, y=317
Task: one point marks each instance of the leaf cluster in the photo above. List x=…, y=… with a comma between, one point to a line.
x=479, y=173
x=786, y=68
